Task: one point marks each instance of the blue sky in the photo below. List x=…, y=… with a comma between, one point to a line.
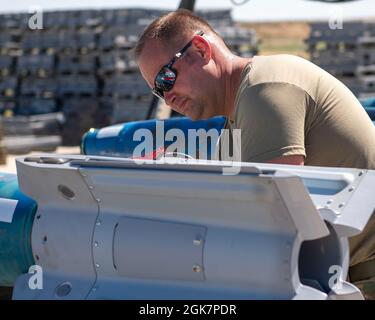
x=252, y=10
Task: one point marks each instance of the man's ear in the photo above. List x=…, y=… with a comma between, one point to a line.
x=202, y=47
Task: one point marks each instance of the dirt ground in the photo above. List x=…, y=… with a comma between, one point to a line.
x=281, y=37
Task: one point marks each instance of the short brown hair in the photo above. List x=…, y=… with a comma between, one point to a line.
x=172, y=27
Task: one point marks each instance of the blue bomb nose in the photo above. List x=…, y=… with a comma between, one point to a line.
x=17, y=212
x=122, y=140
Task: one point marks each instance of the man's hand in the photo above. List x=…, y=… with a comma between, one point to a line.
x=293, y=159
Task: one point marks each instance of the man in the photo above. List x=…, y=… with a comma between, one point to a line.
x=289, y=110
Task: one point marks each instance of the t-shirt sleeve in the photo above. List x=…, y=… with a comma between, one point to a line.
x=271, y=117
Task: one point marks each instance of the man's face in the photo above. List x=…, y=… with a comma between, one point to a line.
x=189, y=96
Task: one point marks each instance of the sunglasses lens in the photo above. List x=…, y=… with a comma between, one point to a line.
x=165, y=79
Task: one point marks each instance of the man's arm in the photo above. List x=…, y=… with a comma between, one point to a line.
x=292, y=159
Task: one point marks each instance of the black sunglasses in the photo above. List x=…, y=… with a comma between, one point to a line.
x=166, y=77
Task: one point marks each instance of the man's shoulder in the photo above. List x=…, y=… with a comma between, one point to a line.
x=281, y=61
x=284, y=69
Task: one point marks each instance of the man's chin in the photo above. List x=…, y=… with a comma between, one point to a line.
x=195, y=114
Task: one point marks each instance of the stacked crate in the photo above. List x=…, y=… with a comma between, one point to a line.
x=241, y=41
x=18, y=64
x=347, y=53
x=125, y=96
x=366, y=56
x=9, y=49
x=77, y=90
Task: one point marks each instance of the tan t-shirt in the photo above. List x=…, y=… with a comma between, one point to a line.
x=286, y=105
